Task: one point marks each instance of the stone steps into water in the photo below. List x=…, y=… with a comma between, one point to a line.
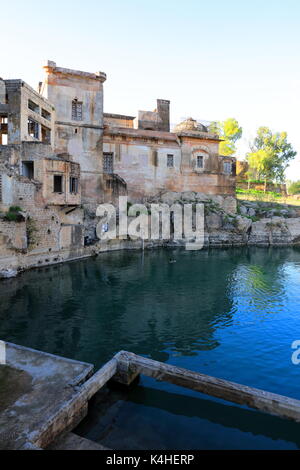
x=72, y=441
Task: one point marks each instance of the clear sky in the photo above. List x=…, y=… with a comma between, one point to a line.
x=212, y=59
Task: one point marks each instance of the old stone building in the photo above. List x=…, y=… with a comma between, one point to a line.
x=61, y=155
x=138, y=155
x=78, y=100
x=27, y=149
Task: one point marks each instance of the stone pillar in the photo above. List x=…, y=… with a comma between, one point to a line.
x=2, y=92
x=163, y=110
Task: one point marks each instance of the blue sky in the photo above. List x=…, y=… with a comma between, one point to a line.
x=212, y=59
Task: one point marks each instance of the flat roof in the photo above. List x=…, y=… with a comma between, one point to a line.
x=119, y=116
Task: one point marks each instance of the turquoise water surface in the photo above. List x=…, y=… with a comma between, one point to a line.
x=229, y=313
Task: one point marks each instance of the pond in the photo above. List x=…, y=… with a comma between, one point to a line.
x=231, y=313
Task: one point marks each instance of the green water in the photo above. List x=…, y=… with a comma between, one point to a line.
x=229, y=313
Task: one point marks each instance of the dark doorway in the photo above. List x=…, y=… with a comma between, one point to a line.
x=28, y=169
x=57, y=184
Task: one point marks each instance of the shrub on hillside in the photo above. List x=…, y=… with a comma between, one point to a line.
x=294, y=188
x=14, y=214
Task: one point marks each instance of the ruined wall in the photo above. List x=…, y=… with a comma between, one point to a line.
x=148, y=120
x=118, y=120
x=48, y=235
x=16, y=189
x=13, y=108
x=19, y=94
x=38, y=239
x=157, y=120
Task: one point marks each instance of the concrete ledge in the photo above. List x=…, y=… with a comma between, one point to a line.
x=35, y=386
x=72, y=441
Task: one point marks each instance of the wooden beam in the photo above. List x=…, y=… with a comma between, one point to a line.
x=267, y=402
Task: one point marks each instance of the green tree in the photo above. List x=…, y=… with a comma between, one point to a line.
x=230, y=131
x=270, y=155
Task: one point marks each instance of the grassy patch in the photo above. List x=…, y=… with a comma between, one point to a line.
x=14, y=214
x=268, y=196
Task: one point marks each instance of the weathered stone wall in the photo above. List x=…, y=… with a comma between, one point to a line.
x=13, y=237
x=17, y=189
x=47, y=236
x=117, y=120
x=141, y=160
x=65, y=169
x=157, y=120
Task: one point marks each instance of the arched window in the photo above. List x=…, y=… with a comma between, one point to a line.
x=199, y=158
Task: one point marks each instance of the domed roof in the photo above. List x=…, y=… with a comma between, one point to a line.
x=190, y=124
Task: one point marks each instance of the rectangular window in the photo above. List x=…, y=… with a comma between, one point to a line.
x=46, y=134
x=33, y=106
x=199, y=161
x=46, y=114
x=170, y=161
x=108, y=165
x=57, y=184
x=76, y=110
x=3, y=130
x=28, y=169
x=73, y=185
x=33, y=128
x=227, y=167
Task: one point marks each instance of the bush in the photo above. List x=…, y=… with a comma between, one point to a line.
x=13, y=214
x=294, y=188
x=15, y=209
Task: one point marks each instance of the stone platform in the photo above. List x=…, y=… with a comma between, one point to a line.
x=34, y=386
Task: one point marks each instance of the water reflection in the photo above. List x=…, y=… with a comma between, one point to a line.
x=228, y=313
x=93, y=308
